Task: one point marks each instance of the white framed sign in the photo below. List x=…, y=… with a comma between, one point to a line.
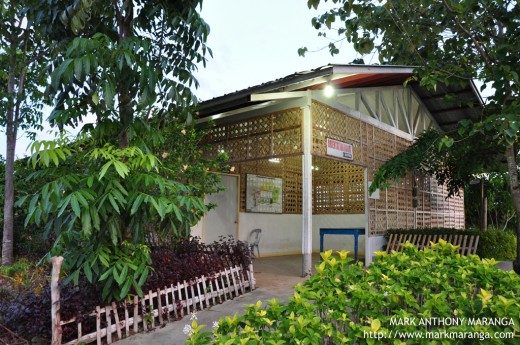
x=336, y=148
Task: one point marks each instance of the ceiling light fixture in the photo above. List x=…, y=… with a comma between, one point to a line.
x=329, y=90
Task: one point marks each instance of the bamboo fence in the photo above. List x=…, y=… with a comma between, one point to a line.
x=117, y=321
x=467, y=244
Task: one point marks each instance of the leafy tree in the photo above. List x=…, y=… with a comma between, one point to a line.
x=125, y=59
x=104, y=204
x=500, y=210
x=453, y=42
x=130, y=64
x=22, y=56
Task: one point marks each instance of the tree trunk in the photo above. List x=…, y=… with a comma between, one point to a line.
x=515, y=193
x=125, y=17
x=8, y=234
x=56, y=262
x=483, y=205
x=11, y=129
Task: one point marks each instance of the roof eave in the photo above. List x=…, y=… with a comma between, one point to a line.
x=244, y=96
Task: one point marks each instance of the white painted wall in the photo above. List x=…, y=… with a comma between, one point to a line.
x=338, y=242
x=281, y=233
x=222, y=220
x=197, y=230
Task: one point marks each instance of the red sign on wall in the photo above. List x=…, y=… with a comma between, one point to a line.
x=339, y=149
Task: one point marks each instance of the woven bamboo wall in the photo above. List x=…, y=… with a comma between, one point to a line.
x=338, y=186
x=287, y=168
x=372, y=147
x=330, y=123
x=271, y=135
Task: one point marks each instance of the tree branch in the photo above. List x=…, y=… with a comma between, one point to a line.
x=21, y=80
x=405, y=33
x=119, y=18
x=507, y=221
x=481, y=50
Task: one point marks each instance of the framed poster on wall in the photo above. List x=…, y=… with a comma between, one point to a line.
x=264, y=194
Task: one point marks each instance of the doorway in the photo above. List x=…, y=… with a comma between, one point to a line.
x=223, y=219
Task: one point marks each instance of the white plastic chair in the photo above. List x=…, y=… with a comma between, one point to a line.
x=254, y=240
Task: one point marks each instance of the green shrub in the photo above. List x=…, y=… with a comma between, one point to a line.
x=23, y=276
x=497, y=244
x=402, y=292
x=20, y=266
x=25, y=291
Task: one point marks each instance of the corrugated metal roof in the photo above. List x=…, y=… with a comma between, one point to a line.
x=448, y=104
x=451, y=104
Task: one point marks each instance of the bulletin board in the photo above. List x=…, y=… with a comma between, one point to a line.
x=264, y=194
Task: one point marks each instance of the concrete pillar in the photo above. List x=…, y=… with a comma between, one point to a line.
x=307, y=190
x=368, y=240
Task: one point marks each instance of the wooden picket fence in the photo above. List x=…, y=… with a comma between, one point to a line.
x=155, y=308
x=467, y=244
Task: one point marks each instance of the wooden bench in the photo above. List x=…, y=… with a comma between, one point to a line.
x=467, y=243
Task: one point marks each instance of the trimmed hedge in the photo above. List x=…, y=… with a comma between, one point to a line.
x=497, y=244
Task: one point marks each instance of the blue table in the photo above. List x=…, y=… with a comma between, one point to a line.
x=352, y=231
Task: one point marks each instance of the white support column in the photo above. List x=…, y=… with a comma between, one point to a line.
x=368, y=242
x=307, y=190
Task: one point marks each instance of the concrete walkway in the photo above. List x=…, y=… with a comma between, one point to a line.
x=275, y=278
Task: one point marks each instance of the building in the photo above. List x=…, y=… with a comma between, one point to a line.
x=303, y=159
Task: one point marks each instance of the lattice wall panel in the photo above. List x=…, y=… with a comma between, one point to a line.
x=385, y=145
x=391, y=199
x=392, y=218
x=236, y=148
x=286, y=142
x=288, y=168
x=338, y=188
x=404, y=199
x=258, y=138
x=372, y=147
x=292, y=167
x=442, y=211
x=380, y=203
x=331, y=123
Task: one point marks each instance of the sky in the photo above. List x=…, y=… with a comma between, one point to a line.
x=253, y=42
